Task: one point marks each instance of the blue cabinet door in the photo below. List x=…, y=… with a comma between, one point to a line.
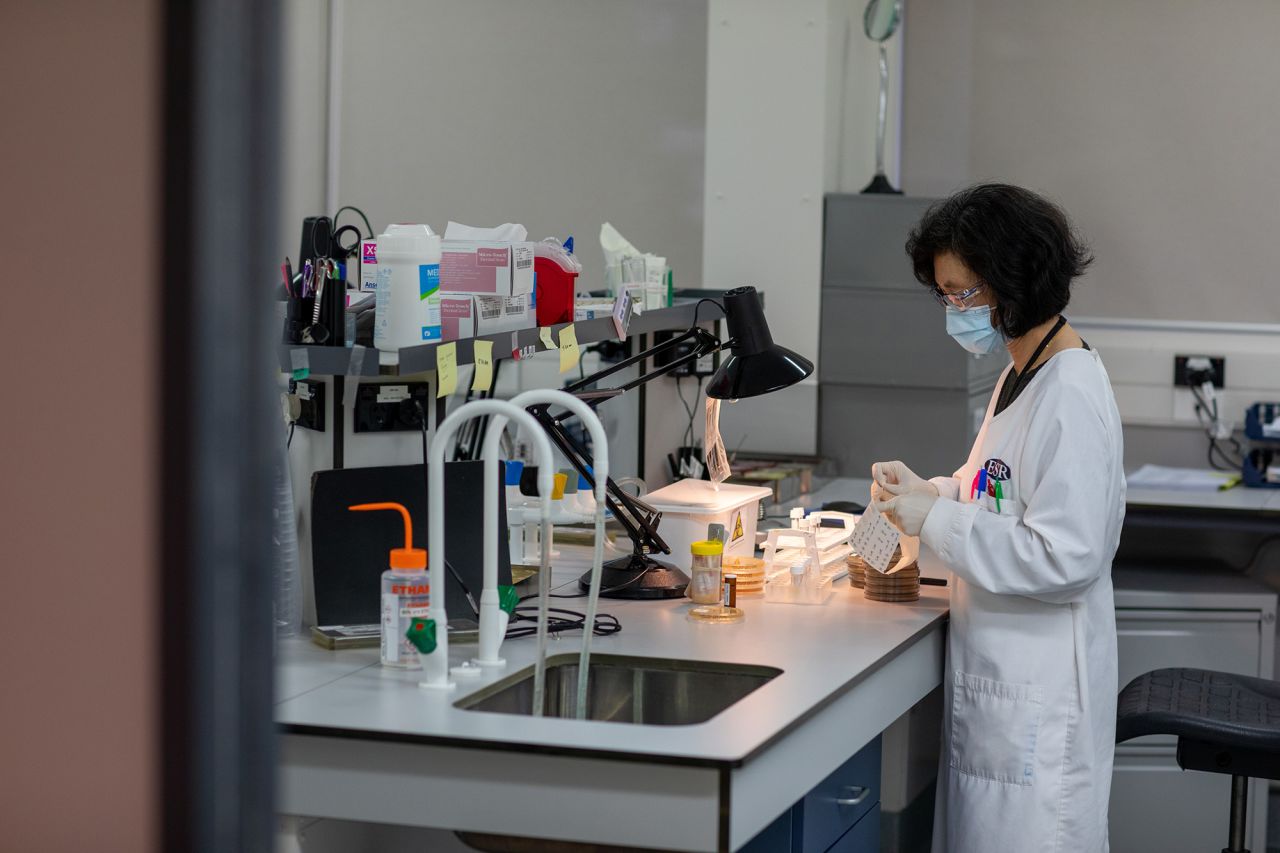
x=840, y=801
x=863, y=838
x=830, y=812
x=774, y=838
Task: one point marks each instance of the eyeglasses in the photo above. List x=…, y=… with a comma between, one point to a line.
x=958, y=300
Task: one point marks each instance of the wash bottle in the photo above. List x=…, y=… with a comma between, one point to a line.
x=406, y=596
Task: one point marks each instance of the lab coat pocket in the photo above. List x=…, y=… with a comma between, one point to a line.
x=994, y=726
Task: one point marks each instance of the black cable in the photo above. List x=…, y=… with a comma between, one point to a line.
x=687, y=439
x=289, y=441
x=699, y=306
x=1223, y=460
x=367, y=226
x=466, y=590
x=562, y=620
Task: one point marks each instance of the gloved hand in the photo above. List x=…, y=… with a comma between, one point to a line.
x=907, y=512
x=895, y=478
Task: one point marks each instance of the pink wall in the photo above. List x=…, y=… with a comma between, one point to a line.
x=80, y=160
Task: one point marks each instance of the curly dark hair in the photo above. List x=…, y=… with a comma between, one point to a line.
x=1020, y=244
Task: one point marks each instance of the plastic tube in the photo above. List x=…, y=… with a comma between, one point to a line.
x=437, y=663
x=600, y=473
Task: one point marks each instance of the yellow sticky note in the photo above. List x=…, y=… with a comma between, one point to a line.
x=544, y=335
x=568, y=348
x=483, y=378
x=446, y=369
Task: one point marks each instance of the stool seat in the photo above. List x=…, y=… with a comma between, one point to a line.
x=1224, y=723
x=1230, y=712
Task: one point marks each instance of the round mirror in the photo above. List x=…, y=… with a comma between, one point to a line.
x=881, y=19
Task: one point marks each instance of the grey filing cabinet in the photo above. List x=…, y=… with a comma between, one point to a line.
x=840, y=815
x=892, y=383
x=1180, y=618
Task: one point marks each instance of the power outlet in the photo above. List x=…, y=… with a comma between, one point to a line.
x=391, y=406
x=310, y=394
x=1180, y=370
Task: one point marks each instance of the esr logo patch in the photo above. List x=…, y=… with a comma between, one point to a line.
x=998, y=468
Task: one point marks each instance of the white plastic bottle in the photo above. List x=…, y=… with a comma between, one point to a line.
x=407, y=307
x=406, y=594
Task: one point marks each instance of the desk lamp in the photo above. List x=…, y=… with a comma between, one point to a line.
x=755, y=366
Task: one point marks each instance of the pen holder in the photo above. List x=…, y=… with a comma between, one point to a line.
x=297, y=317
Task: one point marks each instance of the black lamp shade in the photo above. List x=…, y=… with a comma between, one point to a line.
x=755, y=365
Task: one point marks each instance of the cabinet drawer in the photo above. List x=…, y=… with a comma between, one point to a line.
x=838, y=802
x=1157, y=808
x=1229, y=641
x=863, y=838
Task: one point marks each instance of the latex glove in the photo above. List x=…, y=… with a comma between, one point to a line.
x=907, y=512
x=895, y=478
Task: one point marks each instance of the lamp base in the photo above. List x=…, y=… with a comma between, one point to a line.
x=880, y=186
x=638, y=577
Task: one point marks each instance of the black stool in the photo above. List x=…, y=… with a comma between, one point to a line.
x=1225, y=724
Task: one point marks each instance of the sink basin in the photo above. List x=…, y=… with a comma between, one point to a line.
x=625, y=689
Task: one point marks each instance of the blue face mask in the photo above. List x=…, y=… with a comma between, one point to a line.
x=972, y=329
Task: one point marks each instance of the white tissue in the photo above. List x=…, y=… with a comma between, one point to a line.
x=508, y=232
x=615, y=248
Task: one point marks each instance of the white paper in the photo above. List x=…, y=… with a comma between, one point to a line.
x=1177, y=479
x=615, y=248
x=717, y=459
x=508, y=232
x=875, y=539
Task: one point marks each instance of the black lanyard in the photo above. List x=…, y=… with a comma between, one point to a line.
x=1029, y=371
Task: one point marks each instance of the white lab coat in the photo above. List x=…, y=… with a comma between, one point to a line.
x=1030, y=679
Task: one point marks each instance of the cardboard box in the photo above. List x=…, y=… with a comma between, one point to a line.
x=501, y=269
x=467, y=315
x=505, y=313
x=457, y=316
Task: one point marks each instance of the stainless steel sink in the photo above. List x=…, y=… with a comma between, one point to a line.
x=624, y=689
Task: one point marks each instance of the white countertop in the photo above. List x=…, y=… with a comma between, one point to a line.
x=822, y=650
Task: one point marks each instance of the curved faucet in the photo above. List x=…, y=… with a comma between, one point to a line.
x=600, y=474
x=437, y=663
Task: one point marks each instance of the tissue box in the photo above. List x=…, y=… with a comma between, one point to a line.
x=502, y=269
x=466, y=315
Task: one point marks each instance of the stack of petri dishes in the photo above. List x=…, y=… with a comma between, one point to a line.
x=750, y=572
x=902, y=585
x=858, y=567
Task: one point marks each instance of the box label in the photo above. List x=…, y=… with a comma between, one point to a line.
x=491, y=257
x=428, y=280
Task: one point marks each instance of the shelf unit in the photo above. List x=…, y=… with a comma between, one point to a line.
x=336, y=361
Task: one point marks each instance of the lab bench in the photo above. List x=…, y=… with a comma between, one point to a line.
x=798, y=756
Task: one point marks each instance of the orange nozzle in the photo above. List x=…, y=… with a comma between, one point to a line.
x=557, y=490
x=407, y=558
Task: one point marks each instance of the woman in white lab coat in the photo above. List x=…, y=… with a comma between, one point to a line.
x=1028, y=527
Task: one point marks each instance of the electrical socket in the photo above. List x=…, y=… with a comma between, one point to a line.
x=389, y=406
x=1183, y=365
x=310, y=396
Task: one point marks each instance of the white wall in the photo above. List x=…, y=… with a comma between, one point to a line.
x=791, y=89
x=1153, y=123
x=560, y=114
x=302, y=126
